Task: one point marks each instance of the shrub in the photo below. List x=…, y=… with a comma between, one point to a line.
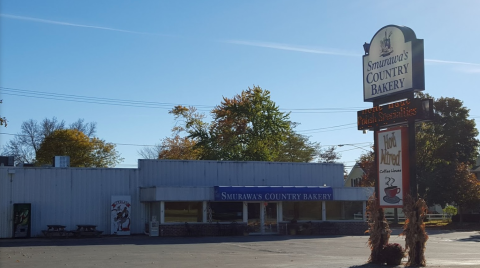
x=392, y=254
x=450, y=211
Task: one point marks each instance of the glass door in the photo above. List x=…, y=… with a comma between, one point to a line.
x=254, y=221
x=262, y=218
x=270, y=224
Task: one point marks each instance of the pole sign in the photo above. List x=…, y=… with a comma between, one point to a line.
x=393, y=167
x=395, y=114
x=393, y=64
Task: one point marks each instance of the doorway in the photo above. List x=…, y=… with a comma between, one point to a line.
x=262, y=218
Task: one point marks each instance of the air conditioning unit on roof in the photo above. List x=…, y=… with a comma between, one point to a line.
x=61, y=161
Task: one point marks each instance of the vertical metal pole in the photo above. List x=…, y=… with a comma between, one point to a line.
x=324, y=211
x=413, y=161
x=204, y=214
x=262, y=218
x=245, y=212
x=375, y=152
x=364, y=211
x=162, y=212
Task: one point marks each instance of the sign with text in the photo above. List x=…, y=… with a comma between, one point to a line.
x=393, y=167
x=395, y=114
x=393, y=64
x=273, y=193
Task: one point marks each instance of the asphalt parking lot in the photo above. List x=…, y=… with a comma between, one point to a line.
x=444, y=249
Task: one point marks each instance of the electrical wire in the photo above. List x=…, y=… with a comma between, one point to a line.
x=142, y=104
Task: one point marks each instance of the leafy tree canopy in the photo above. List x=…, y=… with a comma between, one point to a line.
x=83, y=151
x=446, y=147
x=25, y=145
x=247, y=127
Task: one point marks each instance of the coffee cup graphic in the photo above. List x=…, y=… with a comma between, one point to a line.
x=392, y=191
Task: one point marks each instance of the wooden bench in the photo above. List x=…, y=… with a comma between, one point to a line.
x=86, y=233
x=55, y=230
x=86, y=230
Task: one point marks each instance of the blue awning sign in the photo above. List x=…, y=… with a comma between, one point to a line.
x=273, y=193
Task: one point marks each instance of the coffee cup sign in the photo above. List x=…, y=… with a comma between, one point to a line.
x=391, y=191
x=392, y=166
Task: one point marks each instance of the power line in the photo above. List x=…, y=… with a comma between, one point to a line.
x=150, y=145
x=315, y=129
x=142, y=104
x=121, y=144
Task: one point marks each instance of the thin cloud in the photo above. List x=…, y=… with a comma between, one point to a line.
x=473, y=70
x=291, y=48
x=73, y=24
x=452, y=62
x=325, y=51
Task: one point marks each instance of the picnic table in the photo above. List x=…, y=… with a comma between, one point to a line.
x=86, y=229
x=55, y=230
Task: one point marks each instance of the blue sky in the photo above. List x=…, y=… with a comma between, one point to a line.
x=307, y=53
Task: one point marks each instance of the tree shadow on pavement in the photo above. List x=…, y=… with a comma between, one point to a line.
x=371, y=265
x=146, y=240
x=472, y=238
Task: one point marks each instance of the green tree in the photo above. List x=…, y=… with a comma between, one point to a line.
x=446, y=147
x=247, y=127
x=297, y=148
x=83, y=151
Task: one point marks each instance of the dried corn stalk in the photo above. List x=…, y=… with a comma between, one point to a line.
x=378, y=229
x=414, y=230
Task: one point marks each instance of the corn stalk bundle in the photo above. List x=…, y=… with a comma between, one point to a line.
x=377, y=228
x=414, y=230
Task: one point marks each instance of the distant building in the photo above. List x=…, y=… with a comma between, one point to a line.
x=354, y=178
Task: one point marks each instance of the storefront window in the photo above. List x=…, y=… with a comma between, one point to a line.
x=344, y=210
x=302, y=211
x=183, y=212
x=226, y=211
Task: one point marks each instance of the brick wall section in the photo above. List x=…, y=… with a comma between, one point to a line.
x=202, y=229
x=237, y=229
x=324, y=228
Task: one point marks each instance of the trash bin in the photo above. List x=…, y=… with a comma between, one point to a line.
x=153, y=227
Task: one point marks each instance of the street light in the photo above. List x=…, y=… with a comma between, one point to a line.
x=353, y=145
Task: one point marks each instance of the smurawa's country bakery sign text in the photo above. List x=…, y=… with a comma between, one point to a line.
x=273, y=193
x=393, y=64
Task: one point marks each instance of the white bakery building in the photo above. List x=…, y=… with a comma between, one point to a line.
x=186, y=198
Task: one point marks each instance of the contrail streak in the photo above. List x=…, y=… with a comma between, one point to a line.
x=73, y=24
x=325, y=51
x=291, y=48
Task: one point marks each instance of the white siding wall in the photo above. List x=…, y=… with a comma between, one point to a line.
x=70, y=196
x=352, y=193
x=67, y=196
x=225, y=173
